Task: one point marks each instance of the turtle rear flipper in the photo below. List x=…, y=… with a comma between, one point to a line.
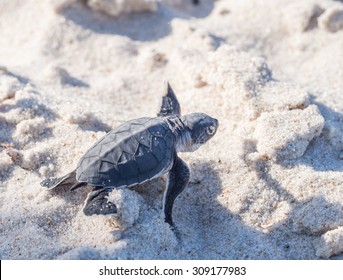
x=51, y=183
x=97, y=204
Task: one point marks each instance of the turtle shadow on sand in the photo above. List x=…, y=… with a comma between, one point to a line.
x=207, y=228
x=262, y=169
x=143, y=26
x=71, y=197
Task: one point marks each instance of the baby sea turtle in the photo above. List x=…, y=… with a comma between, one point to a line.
x=138, y=151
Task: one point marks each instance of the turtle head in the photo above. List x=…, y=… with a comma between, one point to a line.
x=200, y=128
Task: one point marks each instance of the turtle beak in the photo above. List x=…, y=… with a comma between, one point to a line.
x=216, y=122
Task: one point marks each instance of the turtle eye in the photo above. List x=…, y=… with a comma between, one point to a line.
x=210, y=130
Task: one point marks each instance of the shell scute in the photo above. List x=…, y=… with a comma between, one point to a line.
x=157, y=130
x=144, y=138
x=129, y=145
x=125, y=157
x=106, y=167
x=113, y=155
x=159, y=148
x=128, y=169
x=146, y=162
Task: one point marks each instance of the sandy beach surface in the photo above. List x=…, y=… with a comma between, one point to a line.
x=269, y=185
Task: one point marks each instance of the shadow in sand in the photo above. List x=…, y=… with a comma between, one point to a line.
x=20, y=78
x=14, y=141
x=208, y=230
x=306, y=220
x=93, y=123
x=30, y=104
x=321, y=154
x=7, y=128
x=304, y=224
x=6, y=171
x=17, y=158
x=211, y=231
x=316, y=216
x=142, y=26
x=262, y=169
x=75, y=82
x=75, y=197
x=14, y=144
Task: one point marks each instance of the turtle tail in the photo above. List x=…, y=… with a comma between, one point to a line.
x=69, y=179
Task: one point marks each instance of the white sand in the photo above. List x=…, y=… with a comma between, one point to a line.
x=269, y=185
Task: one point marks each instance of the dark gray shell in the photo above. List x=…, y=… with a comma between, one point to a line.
x=133, y=153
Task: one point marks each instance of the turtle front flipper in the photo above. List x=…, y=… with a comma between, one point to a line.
x=97, y=203
x=178, y=179
x=170, y=104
